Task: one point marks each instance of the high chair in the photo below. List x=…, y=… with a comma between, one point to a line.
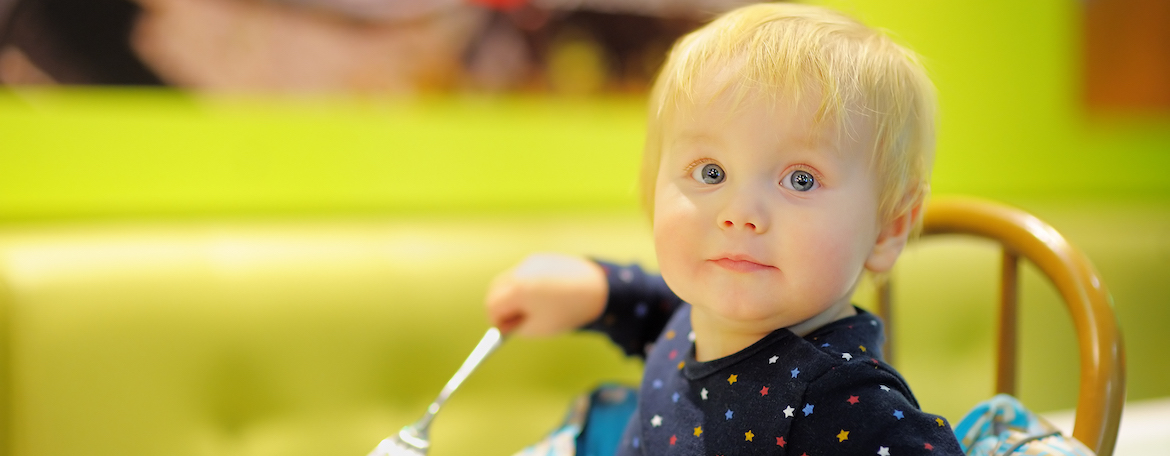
x=1102, y=354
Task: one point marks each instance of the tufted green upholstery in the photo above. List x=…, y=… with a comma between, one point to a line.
x=290, y=338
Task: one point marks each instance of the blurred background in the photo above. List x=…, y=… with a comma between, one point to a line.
x=262, y=227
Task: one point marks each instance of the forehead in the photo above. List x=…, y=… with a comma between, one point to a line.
x=786, y=120
x=800, y=113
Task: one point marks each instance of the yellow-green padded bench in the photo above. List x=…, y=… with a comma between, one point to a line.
x=285, y=337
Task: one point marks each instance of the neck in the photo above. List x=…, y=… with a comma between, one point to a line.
x=834, y=313
x=716, y=338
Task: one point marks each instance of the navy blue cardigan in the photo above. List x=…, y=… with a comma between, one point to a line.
x=828, y=393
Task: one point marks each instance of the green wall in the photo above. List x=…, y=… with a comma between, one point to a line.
x=1011, y=124
x=1009, y=76
x=156, y=153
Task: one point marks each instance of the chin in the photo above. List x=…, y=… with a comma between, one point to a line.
x=744, y=308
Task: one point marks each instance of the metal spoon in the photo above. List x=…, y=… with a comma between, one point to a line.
x=413, y=440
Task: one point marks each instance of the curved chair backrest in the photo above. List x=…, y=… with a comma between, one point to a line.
x=1102, y=355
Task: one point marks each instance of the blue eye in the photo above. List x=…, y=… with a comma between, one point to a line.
x=709, y=174
x=799, y=180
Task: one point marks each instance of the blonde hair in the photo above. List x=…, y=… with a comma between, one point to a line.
x=784, y=49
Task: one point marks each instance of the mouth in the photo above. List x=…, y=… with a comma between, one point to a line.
x=740, y=263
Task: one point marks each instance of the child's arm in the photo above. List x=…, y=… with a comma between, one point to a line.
x=547, y=294
x=637, y=309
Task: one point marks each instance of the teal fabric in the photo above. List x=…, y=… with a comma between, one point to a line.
x=1003, y=426
x=611, y=409
x=593, y=426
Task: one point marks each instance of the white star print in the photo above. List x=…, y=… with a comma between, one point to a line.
x=773, y=359
x=788, y=412
x=656, y=421
x=883, y=451
x=847, y=356
x=691, y=336
x=703, y=393
x=885, y=388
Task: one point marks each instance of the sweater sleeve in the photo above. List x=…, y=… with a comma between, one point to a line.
x=862, y=407
x=637, y=308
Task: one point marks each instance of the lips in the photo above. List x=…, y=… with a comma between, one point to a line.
x=740, y=263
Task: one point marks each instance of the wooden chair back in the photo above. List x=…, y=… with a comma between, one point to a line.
x=1102, y=354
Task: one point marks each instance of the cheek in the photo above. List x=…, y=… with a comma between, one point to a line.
x=677, y=238
x=673, y=236
x=836, y=250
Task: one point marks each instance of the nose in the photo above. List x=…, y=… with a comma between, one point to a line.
x=744, y=210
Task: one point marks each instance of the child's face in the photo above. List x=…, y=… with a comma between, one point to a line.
x=759, y=221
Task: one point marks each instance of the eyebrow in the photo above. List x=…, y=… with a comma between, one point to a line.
x=694, y=137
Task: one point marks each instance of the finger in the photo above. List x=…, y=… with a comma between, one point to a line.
x=503, y=310
x=510, y=324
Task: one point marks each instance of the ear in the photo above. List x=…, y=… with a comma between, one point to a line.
x=892, y=239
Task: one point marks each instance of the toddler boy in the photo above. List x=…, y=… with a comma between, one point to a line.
x=789, y=150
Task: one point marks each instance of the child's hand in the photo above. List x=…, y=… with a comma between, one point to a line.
x=547, y=294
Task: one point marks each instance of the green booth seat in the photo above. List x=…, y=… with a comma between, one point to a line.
x=294, y=337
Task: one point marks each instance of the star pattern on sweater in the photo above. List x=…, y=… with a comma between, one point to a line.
x=676, y=418
x=789, y=411
x=929, y=447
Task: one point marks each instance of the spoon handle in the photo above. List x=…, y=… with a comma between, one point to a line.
x=488, y=344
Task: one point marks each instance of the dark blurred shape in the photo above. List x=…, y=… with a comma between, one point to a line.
x=1127, y=55
x=375, y=10
x=573, y=51
x=634, y=45
x=78, y=41
x=387, y=46
x=582, y=46
x=500, y=4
